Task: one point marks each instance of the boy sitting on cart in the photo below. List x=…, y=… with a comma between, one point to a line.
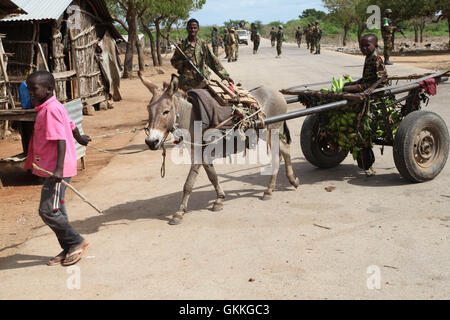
x=374, y=72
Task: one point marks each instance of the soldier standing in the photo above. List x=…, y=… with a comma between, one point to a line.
x=387, y=31
x=305, y=31
x=255, y=37
x=309, y=35
x=230, y=42
x=201, y=56
x=225, y=36
x=279, y=37
x=215, y=41
x=273, y=36
x=298, y=36
x=317, y=35
x=236, y=37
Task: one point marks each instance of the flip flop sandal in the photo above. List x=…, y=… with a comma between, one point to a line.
x=75, y=256
x=58, y=259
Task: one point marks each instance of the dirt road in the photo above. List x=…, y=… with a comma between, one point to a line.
x=303, y=244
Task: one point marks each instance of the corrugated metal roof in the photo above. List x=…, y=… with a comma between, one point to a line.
x=53, y=9
x=40, y=10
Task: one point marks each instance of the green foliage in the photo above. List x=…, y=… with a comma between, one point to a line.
x=312, y=14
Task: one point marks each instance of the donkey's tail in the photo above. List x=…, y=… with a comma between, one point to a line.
x=287, y=133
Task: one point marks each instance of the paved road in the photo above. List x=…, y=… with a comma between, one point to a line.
x=378, y=228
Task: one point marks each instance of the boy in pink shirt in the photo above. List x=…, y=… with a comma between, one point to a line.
x=52, y=148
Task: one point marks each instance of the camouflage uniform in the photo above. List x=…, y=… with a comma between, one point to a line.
x=225, y=35
x=273, y=37
x=387, y=31
x=230, y=42
x=279, y=38
x=236, y=54
x=215, y=41
x=373, y=70
x=202, y=57
x=298, y=36
x=317, y=35
x=256, y=38
x=309, y=35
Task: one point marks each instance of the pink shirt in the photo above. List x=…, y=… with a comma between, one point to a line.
x=52, y=124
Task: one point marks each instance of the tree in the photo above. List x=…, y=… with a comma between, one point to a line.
x=131, y=10
x=166, y=13
x=342, y=12
x=312, y=13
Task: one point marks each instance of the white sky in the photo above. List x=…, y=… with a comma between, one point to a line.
x=219, y=11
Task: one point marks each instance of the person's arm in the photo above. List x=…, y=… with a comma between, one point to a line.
x=214, y=63
x=369, y=91
x=59, y=170
x=177, y=61
x=81, y=139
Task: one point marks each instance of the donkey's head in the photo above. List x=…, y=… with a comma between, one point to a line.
x=162, y=111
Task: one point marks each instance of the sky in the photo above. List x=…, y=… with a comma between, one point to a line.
x=219, y=11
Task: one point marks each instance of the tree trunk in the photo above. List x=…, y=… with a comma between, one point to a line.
x=361, y=28
x=416, y=32
x=140, y=52
x=448, y=21
x=421, y=28
x=152, y=42
x=158, y=40
x=346, y=28
x=132, y=35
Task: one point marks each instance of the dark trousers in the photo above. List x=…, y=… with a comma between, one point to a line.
x=52, y=210
x=26, y=131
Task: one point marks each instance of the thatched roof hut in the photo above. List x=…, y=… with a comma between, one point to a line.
x=61, y=36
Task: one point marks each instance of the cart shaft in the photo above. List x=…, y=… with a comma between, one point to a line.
x=299, y=113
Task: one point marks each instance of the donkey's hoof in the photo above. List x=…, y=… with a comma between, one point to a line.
x=176, y=219
x=267, y=196
x=217, y=207
x=296, y=183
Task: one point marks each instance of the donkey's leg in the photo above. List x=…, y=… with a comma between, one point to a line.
x=212, y=175
x=273, y=179
x=286, y=153
x=187, y=190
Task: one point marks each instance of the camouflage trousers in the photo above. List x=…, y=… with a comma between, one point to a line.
x=273, y=43
x=311, y=45
x=299, y=42
x=387, y=49
x=256, y=45
x=215, y=48
x=317, y=45
x=231, y=52
x=278, y=49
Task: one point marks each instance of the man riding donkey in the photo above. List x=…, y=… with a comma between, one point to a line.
x=169, y=110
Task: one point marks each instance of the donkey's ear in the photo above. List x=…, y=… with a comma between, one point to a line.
x=150, y=86
x=173, y=85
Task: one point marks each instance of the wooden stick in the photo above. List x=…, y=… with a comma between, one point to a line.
x=70, y=187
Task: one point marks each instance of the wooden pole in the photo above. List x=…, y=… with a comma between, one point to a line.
x=35, y=166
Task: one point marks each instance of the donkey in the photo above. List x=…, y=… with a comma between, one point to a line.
x=168, y=107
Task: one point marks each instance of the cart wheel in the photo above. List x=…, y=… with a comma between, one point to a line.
x=317, y=150
x=421, y=146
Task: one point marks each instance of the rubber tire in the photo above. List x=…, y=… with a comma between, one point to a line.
x=311, y=149
x=403, y=151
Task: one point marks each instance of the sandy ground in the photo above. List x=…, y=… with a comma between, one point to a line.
x=305, y=243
